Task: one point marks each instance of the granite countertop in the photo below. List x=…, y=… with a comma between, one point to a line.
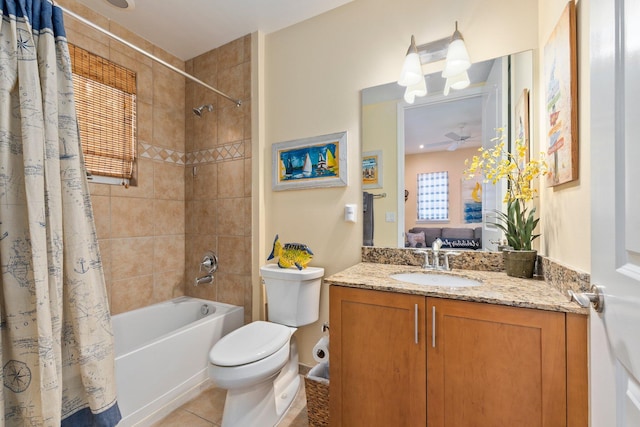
x=496, y=288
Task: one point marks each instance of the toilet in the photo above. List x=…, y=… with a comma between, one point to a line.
x=258, y=363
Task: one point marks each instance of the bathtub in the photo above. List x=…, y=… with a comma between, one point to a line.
x=162, y=354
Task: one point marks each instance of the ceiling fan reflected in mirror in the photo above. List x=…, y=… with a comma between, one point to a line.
x=457, y=139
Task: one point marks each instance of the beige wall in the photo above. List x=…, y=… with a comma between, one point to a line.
x=314, y=72
x=565, y=209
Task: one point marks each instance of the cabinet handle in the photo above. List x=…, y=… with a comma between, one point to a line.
x=415, y=323
x=433, y=326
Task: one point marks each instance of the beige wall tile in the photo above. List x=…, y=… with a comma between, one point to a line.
x=144, y=187
x=102, y=215
x=168, y=285
x=99, y=189
x=144, y=122
x=231, y=81
x=230, y=124
x=231, y=288
x=169, y=217
x=131, y=257
x=168, y=87
x=247, y=174
x=169, y=254
x=168, y=181
x=231, y=54
x=231, y=179
x=205, y=291
x=200, y=217
x=205, y=129
x=166, y=57
x=131, y=217
x=87, y=40
x=231, y=217
x=129, y=294
x=205, y=183
x=168, y=126
x=132, y=38
x=205, y=67
x=234, y=255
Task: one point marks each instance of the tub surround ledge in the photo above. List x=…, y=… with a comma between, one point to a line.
x=496, y=288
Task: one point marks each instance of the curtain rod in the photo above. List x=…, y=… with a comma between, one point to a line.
x=147, y=54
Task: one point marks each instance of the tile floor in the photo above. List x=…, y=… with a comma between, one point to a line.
x=206, y=411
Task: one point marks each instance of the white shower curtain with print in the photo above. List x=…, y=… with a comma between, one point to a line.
x=56, y=341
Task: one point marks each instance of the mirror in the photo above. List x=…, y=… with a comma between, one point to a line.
x=437, y=133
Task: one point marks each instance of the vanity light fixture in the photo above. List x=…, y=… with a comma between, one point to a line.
x=457, y=56
x=411, y=73
x=455, y=70
x=457, y=82
x=418, y=89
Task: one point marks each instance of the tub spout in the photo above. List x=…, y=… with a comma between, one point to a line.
x=203, y=279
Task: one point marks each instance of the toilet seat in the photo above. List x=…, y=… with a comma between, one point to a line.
x=250, y=343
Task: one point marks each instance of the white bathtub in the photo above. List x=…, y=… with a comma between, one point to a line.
x=162, y=354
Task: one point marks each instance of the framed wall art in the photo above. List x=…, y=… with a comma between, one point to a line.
x=372, y=169
x=561, y=99
x=315, y=162
x=471, y=198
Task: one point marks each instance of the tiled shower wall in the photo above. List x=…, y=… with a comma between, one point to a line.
x=143, y=230
x=218, y=174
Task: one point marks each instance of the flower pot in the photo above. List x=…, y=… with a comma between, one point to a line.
x=520, y=263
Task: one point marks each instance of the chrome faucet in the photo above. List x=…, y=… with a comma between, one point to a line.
x=435, y=247
x=435, y=251
x=425, y=252
x=203, y=279
x=210, y=264
x=448, y=254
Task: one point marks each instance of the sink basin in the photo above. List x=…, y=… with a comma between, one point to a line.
x=429, y=279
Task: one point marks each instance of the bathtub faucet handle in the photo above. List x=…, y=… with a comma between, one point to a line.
x=209, y=262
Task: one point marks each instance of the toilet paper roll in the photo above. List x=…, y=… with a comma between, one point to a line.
x=321, y=350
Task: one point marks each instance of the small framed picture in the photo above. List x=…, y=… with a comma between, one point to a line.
x=315, y=162
x=372, y=169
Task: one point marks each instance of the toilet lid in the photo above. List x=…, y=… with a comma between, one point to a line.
x=249, y=343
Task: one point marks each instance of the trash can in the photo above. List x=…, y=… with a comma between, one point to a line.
x=317, y=389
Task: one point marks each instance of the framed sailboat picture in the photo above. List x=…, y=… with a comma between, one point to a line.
x=315, y=162
x=372, y=169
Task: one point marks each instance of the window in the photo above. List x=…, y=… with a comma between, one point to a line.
x=433, y=196
x=105, y=97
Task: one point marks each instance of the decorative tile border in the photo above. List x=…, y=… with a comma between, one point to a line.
x=220, y=153
x=216, y=154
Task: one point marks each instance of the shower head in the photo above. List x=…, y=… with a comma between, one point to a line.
x=199, y=110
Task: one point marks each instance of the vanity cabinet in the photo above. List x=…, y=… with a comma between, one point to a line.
x=409, y=360
x=377, y=365
x=492, y=365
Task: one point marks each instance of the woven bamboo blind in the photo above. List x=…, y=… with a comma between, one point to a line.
x=105, y=97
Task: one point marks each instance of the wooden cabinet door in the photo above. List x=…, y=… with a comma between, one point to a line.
x=378, y=359
x=490, y=365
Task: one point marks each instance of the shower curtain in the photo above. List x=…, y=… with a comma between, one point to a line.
x=56, y=341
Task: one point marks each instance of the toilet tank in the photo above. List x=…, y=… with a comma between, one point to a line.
x=293, y=296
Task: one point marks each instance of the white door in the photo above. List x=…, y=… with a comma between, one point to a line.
x=615, y=212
